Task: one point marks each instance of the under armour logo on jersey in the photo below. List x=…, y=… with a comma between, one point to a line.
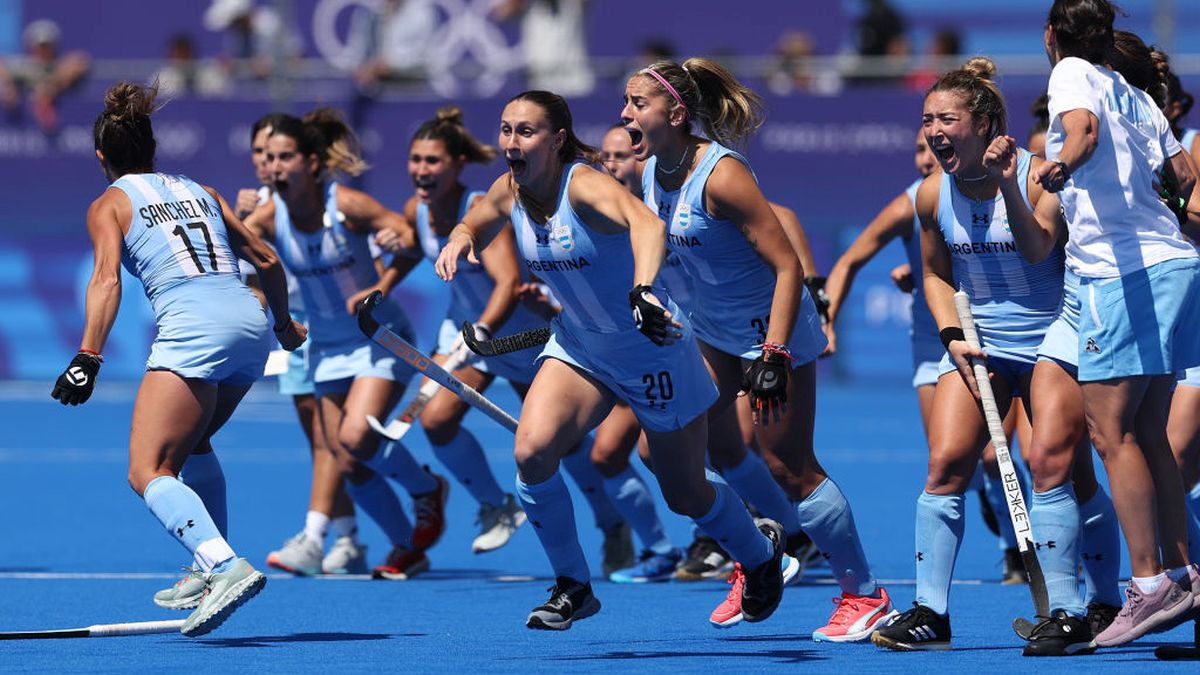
x=1091, y=346
x=77, y=376
x=1049, y=545
x=981, y=218
x=179, y=530
x=920, y=556
x=664, y=209
x=543, y=238
x=314, y=249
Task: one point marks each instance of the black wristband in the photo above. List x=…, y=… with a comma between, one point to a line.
x=950, y=334
x=1066, y=171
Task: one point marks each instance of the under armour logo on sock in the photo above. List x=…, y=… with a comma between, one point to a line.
x=1049, y=545
x=179, y=531
x=1091, y=346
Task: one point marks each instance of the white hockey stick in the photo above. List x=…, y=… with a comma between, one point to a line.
x=98, y=630
x=1017, y=510
x=277, y=363
x=425, y=365
x=400, y=424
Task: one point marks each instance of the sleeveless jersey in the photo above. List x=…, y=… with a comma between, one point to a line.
x=472, y=286
x=176, y=232
x=923, y=325
x=329, y=265
x=1013, y=301
x=730, y=281
x=1188, y=140
x=590, y=273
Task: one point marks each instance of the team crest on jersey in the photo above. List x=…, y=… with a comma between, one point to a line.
x=683, y=216
x=561, y=233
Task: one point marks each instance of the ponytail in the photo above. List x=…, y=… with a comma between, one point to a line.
x=728, y=111
x=447, y=126
x=122, y=132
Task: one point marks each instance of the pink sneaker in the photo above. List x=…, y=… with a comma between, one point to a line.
x=855, y=618
x=729, y=612
x=1144, y=612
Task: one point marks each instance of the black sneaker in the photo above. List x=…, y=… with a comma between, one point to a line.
x=1014, y=568
x=1060, y=635
x=764, y=584
x=569, y=601
x=705, y=560
x=1100, y=615
x=918, y=629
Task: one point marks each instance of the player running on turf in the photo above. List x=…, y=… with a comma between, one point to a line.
x=574, y=228
x=753, y=308
x=179, y=238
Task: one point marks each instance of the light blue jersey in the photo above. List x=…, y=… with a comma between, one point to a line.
x=591, y=273
x=735, y=286
x=210, y=326
x=676, y=280
x=927, y=347
x=330, y=265
x=470, y=291
x=1188, y=139
x=1013, y=301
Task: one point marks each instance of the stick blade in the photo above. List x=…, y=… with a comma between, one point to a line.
x=277, y=363
x=45, y=634
x=366, y=322
x=394, y=430
x=1037, y=580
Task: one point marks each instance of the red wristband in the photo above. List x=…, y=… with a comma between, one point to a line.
x=85, y=350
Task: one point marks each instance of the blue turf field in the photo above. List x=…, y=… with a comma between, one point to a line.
x=72, y=520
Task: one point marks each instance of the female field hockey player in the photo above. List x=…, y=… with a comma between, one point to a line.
x=574, y=228
x=965, y=242
x=757, y=326
x=485, y=295
x=180, y=239
x=320, y=229
x=1139, y=289
x=328, y=504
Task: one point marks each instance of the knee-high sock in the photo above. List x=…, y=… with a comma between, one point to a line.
x=548, y=505
x=591, y=483
x=202, y=473
x=393, y=460
x=1193, y=503
x=940, y=525
x=753, y=482
x=182, y=513
x=1057, y=526
x=1101, y=550
x=376, y=499
x=826, y=517
x=993, y=490
x=633, y=500
x=464, y=458
x=730, y=524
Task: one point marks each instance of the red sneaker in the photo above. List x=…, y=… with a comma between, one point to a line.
x=401, y=564
x=729, y=612
x=855, y=618
x=430, y=512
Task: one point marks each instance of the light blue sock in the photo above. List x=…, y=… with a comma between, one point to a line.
x=826, y=516
x=182, y=513
x=1193, y=505
x=376, y=499
x=202, y=473
x=730, y=524
x=753, y=482
x=1101, y=550
x=548, y=505
x=940, y=526
x=392, y=459
x=590, y=481
x=633, y=500
x=993, y=490
x=1055, y=519
x=464, y=458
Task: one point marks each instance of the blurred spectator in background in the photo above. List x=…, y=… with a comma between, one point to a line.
x=1041, y=123
x=397, y=39
x=791, y=70
x=941, y=56
x=880, y=33
x=650, y=51
x=42, y=74
x=553, y=43
x=185, y=75
x=257, y=40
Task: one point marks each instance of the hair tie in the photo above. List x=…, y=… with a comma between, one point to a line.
x=662, y=80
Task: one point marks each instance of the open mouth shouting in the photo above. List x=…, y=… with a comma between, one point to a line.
x=636, y=139
x=516, y=165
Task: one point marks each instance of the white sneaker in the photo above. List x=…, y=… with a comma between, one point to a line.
x=346, y=556
x=300, y=555
x=497, y=524
x=185, y=594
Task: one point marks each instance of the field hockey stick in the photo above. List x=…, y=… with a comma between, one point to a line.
x=277, y=363
x=400, y=424
x=1017, y=510
x=423, y=364
x=98, y=630
x=504, y=345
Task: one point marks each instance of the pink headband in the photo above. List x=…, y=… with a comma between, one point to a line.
x=663, y=81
